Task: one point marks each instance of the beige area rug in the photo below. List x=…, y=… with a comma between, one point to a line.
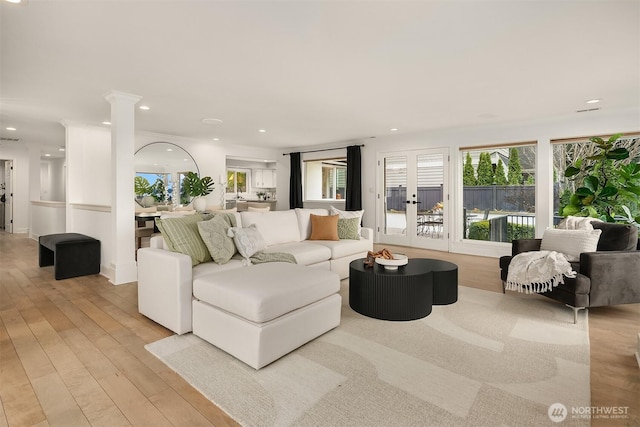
x=488, y=360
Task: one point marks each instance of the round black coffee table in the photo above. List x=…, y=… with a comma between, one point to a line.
x=403, y=294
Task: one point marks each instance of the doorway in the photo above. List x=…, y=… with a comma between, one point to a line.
x=412, y=206
x=6, y=195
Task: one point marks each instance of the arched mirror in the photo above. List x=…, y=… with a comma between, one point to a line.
x=160, y=168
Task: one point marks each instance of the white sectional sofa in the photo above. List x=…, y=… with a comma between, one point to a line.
x=165, y=278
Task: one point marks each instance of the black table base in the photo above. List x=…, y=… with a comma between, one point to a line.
x=407, y=293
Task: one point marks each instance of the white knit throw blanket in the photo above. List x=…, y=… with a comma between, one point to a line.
x=537, y=271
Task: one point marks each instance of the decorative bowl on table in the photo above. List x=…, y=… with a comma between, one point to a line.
x=393, y=264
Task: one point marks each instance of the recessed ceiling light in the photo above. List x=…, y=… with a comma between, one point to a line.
x=212, y=121
x=262, y=130
x=169, y=149
x=47, y=155
x=13, y=1
x=394, y=129
x=61, y=149
x=144, y=107
x=106, y=123
x=593, y=101
x=216, y=139
x=10, y=128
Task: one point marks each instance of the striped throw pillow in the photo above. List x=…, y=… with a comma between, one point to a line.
x=182, y=235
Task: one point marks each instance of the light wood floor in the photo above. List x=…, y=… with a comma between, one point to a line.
x=72, y=351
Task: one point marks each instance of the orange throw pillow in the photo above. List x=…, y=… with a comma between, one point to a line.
x=324, y=227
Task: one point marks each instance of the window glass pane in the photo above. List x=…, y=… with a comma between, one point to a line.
x=499, y=193
x=231, y=182
x=578, y=153
x=325, y=179
x=430, y=179
x=341, y=182
x=395, y=184
x=241, y=179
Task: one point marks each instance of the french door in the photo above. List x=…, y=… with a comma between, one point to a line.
x=413, y=198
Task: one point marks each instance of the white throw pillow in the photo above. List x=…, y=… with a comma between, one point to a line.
x=577, y=223
x=248, y=240
x=348, y=214
x=571, y=243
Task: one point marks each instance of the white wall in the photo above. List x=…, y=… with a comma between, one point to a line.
x=52, y=180
x=89, y=165
x=47, y=218
x=88, y=207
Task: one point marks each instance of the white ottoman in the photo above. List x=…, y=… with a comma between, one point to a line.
x=262, y=312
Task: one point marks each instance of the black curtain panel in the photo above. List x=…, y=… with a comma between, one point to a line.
x=353, y=198
x=295, y=182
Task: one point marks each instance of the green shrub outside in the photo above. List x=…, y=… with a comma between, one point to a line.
x=518, y=231
x=479, y=230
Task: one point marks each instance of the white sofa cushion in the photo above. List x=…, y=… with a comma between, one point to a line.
x=275, y=227
x=343, y=248
x=211, y=267
x=263, y=292
x=304, y=252
x=304, y=220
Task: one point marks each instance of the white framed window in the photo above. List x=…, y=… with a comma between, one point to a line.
x=238, y=180
x=325, y=179
x=498, y=184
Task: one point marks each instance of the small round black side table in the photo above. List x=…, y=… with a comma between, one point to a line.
x=407, y=293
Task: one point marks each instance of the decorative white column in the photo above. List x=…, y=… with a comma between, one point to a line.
x=122, y=196
x=544, y=181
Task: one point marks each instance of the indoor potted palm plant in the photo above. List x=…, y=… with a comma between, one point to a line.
x=197, y=187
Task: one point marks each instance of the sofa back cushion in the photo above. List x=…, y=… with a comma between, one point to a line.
x=275, y=226
x=304, y=220
x=616, y=237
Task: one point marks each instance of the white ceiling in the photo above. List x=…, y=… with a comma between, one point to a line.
x=312, y=72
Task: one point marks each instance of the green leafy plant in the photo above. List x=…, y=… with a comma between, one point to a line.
x=514, y=169
x=141, y=186
x=485, y=170
x=500, y=178
x=469, y=177
x=196, y=186
x=607, y=184
x=158, y=190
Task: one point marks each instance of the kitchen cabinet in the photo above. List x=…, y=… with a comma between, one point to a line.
x=264, y=178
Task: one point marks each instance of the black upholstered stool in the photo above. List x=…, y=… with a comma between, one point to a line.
x=72, y=254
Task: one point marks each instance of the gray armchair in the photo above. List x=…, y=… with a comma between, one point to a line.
x=609, y=276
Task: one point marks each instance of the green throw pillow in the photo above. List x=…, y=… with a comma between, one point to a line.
x=214, y=235
x=348, y=228
x=182, y=235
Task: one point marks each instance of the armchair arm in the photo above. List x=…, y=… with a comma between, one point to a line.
x=165, y=288
x=366, y=233
x=614, y=277
x=525, y=245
